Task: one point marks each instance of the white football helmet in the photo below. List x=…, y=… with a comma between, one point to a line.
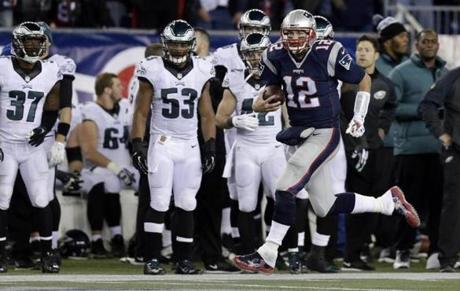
x=254, y=20
x=29, y=42
x=324, y=28
x=298, y=31
x=251, y=49
x=178, y=40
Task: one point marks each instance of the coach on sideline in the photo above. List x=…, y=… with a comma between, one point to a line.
x=446, y=93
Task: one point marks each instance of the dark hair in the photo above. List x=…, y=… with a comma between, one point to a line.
x=154, y=49
x=418, y=36
x=203, y=31
x=104, y=80
x=372, y=40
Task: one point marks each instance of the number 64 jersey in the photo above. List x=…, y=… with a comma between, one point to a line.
x=176, y=95
x=22, y=97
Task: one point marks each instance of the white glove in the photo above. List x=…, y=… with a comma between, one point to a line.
x=122, y=173
x=362, y=155
x=246, y=121
x=356, y=126
x=56, y=154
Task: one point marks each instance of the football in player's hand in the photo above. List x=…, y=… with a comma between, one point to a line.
x=275, y=91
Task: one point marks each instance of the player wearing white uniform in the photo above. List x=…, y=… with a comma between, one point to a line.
x=24, y=82
x=258, y=157
x=104, y=141
x=175, y=86
x=228, y=59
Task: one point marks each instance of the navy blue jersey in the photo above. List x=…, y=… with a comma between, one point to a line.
x=310, y=85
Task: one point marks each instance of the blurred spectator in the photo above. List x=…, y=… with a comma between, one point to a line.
x=117, y=10
x=445, y=94
x=416, y=151
x=365, y=164
x=6, y=12
x=356, y=15
x=31, y=10
x=214, y=14
x=80, y=13
x=155, y=14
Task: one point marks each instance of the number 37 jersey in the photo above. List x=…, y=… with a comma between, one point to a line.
x=176, y=95
x=310, y=84
x=22, y=97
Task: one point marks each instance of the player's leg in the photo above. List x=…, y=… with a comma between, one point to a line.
x=160, y=178
x=300, y=168
x=112, y=214
x=8, y=172
x=187, y=180
x=35, y=173
x=248, y=178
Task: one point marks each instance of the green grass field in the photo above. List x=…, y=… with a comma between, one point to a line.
x=112, y=274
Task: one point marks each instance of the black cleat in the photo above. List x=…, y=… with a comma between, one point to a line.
x=316, y=261
x=295, y=266
x=358, y=265
x=50, y=263
x=97, y=249
x=153, y=267
x=23, y=263
x=3, y=264
x=185, y=267
x=118, y=246
x=220, y=267
x=253, y=263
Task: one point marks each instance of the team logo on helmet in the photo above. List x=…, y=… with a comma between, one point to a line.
x=254, y=20
x=29, y=42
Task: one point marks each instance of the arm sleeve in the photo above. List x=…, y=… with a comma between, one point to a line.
x=387, y=113
x=270, y=73
x=434, y=99
x=342, y=66
x=65, y=93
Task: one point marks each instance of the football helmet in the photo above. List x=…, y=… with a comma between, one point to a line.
x=251, y=48
x=254, y=20
x=74, y=244
x=298, y=31
x=48, y=34
x=178, y=40
x=29, y=42
x=324, y=28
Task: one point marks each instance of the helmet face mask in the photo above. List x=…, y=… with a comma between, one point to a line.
x=29, y=42
x=178, y=40
x=298, y=31
x=252, y=47
x=254, y=21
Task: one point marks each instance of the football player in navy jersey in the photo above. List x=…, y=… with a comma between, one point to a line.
x=308, y=72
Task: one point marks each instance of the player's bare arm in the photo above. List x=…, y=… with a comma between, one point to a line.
x=225, y=110
x=52, y=99
x=87, y=135
x=208, y=125
x=142, y=107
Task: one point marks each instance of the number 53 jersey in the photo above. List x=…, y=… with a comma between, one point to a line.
x=176, y=95
x=22, y=97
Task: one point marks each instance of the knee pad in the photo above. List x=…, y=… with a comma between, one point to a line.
x=159, y=201
x=185, y=201
x=285, y=208
x=5, y=196
x=40, y=201
x=247, y=202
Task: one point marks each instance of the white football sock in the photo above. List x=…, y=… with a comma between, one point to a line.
x=320, y=240
x=269, y=252
x=225, y=226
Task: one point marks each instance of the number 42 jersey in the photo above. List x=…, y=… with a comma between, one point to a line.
x=22, y=97
x=175, y=95
x=310, y=84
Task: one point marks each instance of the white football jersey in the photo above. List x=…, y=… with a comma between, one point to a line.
x=176, y=95
x=22, y=98
x=245, y=92
x=112, y=130
x=229, y=57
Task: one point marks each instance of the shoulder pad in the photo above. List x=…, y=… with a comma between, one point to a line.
x=204, y=65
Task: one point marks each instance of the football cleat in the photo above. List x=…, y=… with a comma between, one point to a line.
x=50, y=263
x=404, y=208
x=97, y=249
x=295, y=266
x=118, y=246
x=185, y=267
x=153, y=267
x=253, y=263
x=3, y=264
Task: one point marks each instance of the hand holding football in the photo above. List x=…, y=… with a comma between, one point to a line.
x=276, y=92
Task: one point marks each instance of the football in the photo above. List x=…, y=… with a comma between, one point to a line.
x=276, y=91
